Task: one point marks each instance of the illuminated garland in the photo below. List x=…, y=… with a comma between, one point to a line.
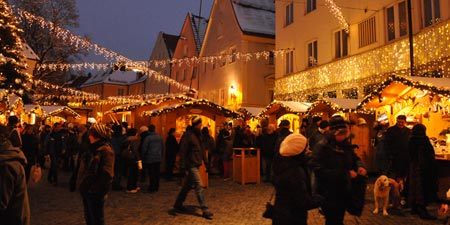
x=156, y=101
x=335, y=107
x=59, y=109
x=200, y=102
x=73, y=94
x=336, y=11
x=264, y=112
x=407, y=82
x=431, y=52
x=68, y=36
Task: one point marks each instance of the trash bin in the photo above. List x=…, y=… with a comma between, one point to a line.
x=246, y=165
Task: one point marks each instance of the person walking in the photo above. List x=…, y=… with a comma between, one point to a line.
x=423, y=180
x=293, y=196
x=269, y=139
x=55, y=149
x=118, y=143
x=14, y=134
x=152, y=148
x=335, y=166
x=95, y=174
x=14, y=203
x=172, y=149
x=191, y=156
x=30, y=148
x=131, y=157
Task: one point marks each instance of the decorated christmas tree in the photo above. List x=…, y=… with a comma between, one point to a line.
x=13, y=76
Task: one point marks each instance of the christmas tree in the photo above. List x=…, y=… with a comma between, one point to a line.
x=13, y=76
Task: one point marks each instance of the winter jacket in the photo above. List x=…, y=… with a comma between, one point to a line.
x=152, y=148
x=191, y=150
x=293, y=196
x=172, y=146
x=396, y=147
x=269, y=142
x=14, y=203
x=134, y=156
x=95, y=173
x=331, y=164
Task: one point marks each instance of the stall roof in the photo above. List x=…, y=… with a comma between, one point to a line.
x=333, y=105
x=153, y=101
x=283, y=107
x=57, y=110
x=194, y=103
x=250, y=112
x=396, y=86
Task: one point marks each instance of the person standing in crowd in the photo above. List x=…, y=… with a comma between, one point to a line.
x=30, y=148
x=152, y=148
x=304, y=126
x=248, y=139
x=293, y=196
x=208, y=143
x=225, y=149
x=131, y=157
x=191, y=156
x=55, y=148
x=118, y=142
x=72, y=147
x=143, y=133
x=172, y=149
x=396, y=147
x=14, y=203
x=283, y=132
x=15, y=134
x=96, y=173
x=312, y=128
x=381, y=158
x=423, y=180
x=42, y=142
x=269, y=139
x=335, y=164
x=318, y=134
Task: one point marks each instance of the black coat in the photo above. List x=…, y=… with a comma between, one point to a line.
x=396, y=147
x=423, y=182
x=293, y=190
x=172, y=147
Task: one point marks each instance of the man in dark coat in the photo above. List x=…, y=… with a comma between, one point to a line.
x=14, y=203
x=55, y=149
x=283, y=132
x=269, y=139
x=191, y=156
x=172, y=149
x=152, y=148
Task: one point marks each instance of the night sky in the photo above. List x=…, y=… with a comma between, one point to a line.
x=130, y=28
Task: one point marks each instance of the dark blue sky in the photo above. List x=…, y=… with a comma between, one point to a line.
x=130, y=28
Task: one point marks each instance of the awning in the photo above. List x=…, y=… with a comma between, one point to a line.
x=196, y=105
x=283, y=107
x=390, y=90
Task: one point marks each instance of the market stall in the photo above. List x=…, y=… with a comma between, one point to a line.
x=250, y=116
x=361, y=122
x=289, y=110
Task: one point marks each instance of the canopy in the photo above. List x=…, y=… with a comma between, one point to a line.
x=394, y=87
x=200, y=104
x=283, y=107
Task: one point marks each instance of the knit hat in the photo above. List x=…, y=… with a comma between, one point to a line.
x=284, y=123
x=338, y=126
x=293, y=144
x=143, y=129
x=196, y=120
x=101, y=131
x=13, y=120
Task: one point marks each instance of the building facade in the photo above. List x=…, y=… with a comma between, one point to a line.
x=343, y=48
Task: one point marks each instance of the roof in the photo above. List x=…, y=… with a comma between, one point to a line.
x=333, y=105
x=199, y=25
x=28, y=52
x=283, y=107
x=52, y=110
x=196, y=104
x=153, y=101
x=171, y=42
x=115, y=77
x=393, y=87
x=250, y=112
x=255, y=16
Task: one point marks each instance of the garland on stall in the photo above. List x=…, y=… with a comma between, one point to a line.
x=335, y=107
x=155, y=101
x=201, y=102
x=289, y=109
x=407, y=82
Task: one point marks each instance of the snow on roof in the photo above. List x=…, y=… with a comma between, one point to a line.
x=443, y=83
x=296, y=106
x=256, y=16
x=344, y=103
x=199, y=29
x=28, y=52
x=254, y=111
x=114, y=77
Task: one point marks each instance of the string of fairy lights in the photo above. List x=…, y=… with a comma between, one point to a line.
x=432, y=53
x=337, y=13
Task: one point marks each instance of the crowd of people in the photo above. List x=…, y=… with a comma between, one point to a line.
x=317, y=168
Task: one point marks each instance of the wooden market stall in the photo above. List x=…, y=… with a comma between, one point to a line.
x=361, y=123
x=422, y=100
x=250, y=116
x=179, y=116
x=290, y=110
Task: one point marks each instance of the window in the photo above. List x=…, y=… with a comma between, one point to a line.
x=310, y=5
x=177, y=75
x=271, y=95
x=222, y=97
x=271, y=58
x=367, y=32
x=204, y=67
x=233, y=55
x=312, y=98
x=330, y=94
x=194, y=73
x=312, y=53
x=341, y=44
x=120, y=92
x=289, y=14
x=351, y=93
x=213, y=64
x=431, y=11
x=396, y=21
x=289, y=62
x=223, y=59
x=369, y=89
x=184, y=74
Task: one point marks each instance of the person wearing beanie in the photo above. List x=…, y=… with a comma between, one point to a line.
x=192, y=154
x=318, y=134
x=14, y=134
x=293, y=194
x=336, y=167
x=283, y=132
x=152, y=148
x=96, y=173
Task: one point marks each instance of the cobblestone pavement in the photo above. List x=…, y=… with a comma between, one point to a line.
x=230, y=202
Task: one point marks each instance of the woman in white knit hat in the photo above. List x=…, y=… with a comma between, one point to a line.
x=293, y=196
